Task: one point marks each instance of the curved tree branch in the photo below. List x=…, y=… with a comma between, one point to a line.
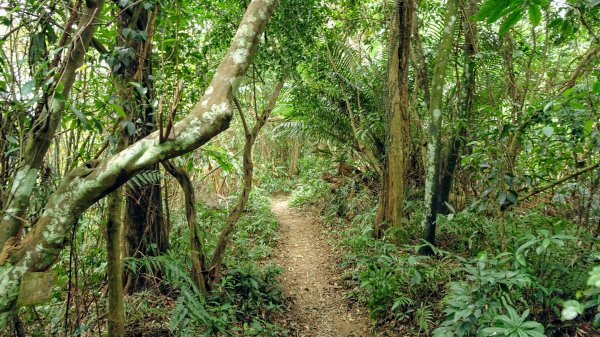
x=551, y=185
x=86, y=185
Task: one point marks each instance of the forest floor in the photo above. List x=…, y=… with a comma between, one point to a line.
x=311, y=279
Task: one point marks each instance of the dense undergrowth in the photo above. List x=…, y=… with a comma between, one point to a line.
x=245, y=302
x=470, y=286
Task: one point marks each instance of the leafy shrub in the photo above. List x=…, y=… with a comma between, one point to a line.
x=307, y=194
x=514, y=325
x=487, y=291
x=586, y=300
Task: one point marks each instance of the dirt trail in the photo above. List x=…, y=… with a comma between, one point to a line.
x=312, y=280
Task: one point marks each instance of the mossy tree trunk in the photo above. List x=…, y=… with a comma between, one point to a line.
x=432, y=168
x=114, y=269
x=465, y=104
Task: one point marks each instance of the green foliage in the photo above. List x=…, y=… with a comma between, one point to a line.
x=247, y=296
x=492, y=10
x=588, y=299
x=304, y=194
x=487, y=290
x=145, y=178
x=319, y=107
x=514, y=325
x=309, y=188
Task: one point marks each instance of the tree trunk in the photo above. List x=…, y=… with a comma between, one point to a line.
x=432, y=169
x=293, y=158
x=464, y=110
x=391, y=200
x=145, y=231
x=114, y=267
x=87, y=184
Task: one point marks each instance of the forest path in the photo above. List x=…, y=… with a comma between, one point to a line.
x=311, y=279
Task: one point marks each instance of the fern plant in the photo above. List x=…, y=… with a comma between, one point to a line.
x=145, y=178
x=423, y=317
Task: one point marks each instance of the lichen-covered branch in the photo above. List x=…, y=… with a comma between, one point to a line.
x=85, y=185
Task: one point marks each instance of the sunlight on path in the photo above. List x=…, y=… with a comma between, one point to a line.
x=312, y=280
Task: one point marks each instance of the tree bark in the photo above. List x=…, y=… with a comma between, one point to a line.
x=432, y=169
x=464, y=110
x=145, y=230
x=85, y=185
x=391, y=200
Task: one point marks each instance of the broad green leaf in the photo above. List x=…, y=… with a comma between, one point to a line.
x=486, y=10
x=521, y=259
x=119, y=110
x=130, y=128
x=412, y=261
x=548, y=131
x=535, y=14
x=501, y=198
x=58, y=96
x=571, y=309
x=493, y=331
x=594, y=280
x=510, y=21
x=588, y=128
x=498, y=11
x=546, y=243
x=512, y=196
x=81, y=116
x=28, y=88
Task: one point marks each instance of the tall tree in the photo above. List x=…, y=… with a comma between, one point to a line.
x=432, y=169
x=398, y=143
x=465, y=105
x=145, y=230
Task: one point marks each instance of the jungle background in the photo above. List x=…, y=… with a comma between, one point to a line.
x=443, y=156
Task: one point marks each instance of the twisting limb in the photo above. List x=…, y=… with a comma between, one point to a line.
x=248, y=169
x=87, y=184
x=197, y=254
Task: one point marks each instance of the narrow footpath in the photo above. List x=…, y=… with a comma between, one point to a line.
x=311, y=279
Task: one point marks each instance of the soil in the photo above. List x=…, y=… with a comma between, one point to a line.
x=311, y=279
